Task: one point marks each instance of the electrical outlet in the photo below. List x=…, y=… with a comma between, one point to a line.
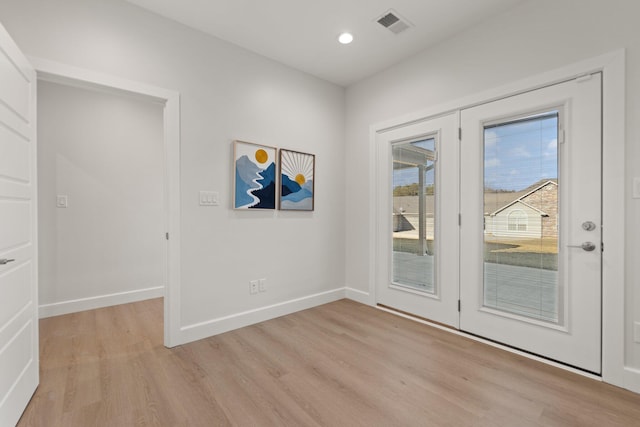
x=253, y=287
x=262, y=285
x=636, y=332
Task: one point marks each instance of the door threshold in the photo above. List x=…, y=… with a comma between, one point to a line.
x=415, y=317
x=486, y=341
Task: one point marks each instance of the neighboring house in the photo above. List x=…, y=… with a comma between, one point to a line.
x=531, y=213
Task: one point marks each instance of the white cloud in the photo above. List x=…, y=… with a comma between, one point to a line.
x=552, y=148
x=492, y=163
x=490, y=139
x=519, y=152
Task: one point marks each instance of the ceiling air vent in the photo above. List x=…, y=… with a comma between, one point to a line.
x=393, y=22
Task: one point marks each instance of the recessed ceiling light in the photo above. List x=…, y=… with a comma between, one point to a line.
x=345, y=38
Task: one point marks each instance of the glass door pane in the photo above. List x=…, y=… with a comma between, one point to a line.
x=521, y=217
x=414, y=184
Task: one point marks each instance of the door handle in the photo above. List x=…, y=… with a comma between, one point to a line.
x=4, y=261
x=586, y=246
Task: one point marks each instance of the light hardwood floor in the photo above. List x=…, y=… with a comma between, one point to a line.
x=341, y=364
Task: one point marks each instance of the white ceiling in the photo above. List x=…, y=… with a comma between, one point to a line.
x=303, y=33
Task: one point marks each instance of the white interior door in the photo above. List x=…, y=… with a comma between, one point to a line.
x=18, y=253
x=417, y=253
x=531, y=221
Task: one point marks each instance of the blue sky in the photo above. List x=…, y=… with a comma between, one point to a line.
x=521, y=153
x=516, y=155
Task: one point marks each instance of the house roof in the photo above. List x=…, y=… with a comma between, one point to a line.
x=525, y=193
x=518, y=201
x=493, y=204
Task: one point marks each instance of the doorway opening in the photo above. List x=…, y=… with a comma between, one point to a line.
x=527, y=240
x=101, y=213
x=169, y=102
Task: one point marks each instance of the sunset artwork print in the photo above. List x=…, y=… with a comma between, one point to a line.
x=296, y=180
x=255, y=177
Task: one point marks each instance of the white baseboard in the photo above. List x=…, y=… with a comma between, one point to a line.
x=358, y=296
x=632, y=379
x=82, y=304
x=224, y=324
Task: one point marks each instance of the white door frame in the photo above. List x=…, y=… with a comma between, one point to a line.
x=612, y=65
x=73, y=76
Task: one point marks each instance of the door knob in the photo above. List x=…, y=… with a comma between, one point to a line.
x=586, y=246
x=4, y=261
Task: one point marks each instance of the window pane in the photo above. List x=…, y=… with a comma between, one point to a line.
x=521, y=217
x=414, y=214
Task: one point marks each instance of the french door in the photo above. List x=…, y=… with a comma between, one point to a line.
x=418, y=239
x=521, y=264
x=531, y=221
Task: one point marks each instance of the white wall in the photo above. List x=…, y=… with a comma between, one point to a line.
x=532, y=38
x=226, y=93
x=103, y=151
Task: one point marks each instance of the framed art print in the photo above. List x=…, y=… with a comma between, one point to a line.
x=297, y=177
x=255, y=176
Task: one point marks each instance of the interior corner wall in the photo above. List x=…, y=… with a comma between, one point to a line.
x=226, y=93
x=532, y=38
x=104, y=152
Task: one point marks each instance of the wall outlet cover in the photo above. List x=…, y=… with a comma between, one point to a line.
x=253, y=287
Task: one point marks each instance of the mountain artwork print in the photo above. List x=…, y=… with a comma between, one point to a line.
x=255, y=176
x=297, y=172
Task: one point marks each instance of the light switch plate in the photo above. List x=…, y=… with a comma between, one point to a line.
x=62, y=201
x=209, y=198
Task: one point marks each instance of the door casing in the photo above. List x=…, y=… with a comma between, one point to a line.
x=73, y=76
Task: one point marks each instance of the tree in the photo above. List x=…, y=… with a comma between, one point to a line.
x=412, y=190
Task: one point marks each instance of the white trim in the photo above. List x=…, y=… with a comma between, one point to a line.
x=220, y=325
x=613, y=215
x=82, y=304
x=359, y=296
x=374, y=220
x=612, y=65
x=80, y=77
x=70, y=75
x=632, y=379
x=528, y=84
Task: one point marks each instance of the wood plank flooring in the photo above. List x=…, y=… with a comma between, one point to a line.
x=341, y=364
